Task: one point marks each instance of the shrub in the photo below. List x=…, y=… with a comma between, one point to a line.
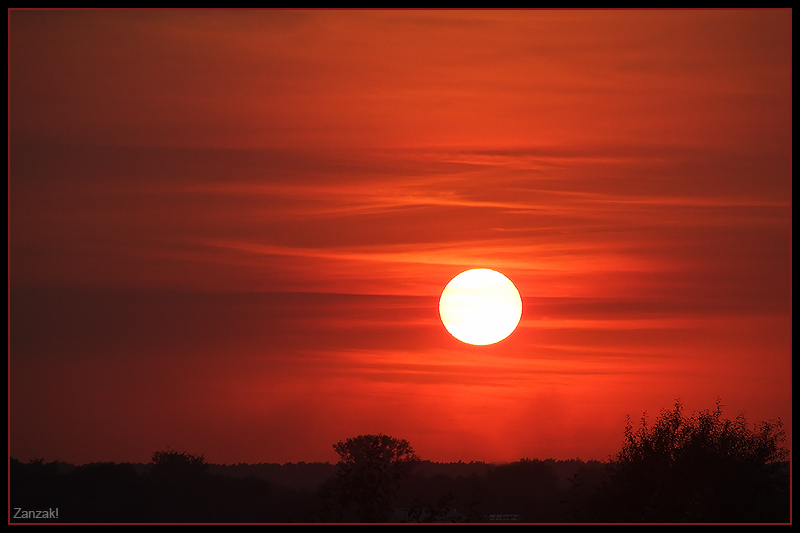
x=702, y=468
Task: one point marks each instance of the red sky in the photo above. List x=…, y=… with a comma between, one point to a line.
x=229, y=230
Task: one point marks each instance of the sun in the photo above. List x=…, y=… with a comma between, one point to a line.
x=480, y=306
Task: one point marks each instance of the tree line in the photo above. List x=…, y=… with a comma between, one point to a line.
x=681, y=468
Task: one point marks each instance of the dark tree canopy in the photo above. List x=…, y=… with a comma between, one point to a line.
x=171, y=462
x=702, y=468
x=375, y=450
x=370, y=470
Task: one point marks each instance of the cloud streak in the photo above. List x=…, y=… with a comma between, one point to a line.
x=244, y=220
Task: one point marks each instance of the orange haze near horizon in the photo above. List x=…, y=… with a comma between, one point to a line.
x=229, y=230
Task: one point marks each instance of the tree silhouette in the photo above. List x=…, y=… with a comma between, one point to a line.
x=173, y=463
x=702, y=468
x=370, y=470
x=180, y=487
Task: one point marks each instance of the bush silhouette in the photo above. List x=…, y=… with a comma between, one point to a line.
x=702, y=468
x=369, y=474
x=182, y=464
x=179, y=487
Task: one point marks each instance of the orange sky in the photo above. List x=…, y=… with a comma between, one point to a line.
x=228, y=230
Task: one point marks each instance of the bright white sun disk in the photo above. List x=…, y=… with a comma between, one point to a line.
x=480, y=306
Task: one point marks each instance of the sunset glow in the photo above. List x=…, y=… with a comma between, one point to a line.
x=230, y=230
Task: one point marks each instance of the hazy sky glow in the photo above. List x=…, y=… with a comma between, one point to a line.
x=229, y=230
